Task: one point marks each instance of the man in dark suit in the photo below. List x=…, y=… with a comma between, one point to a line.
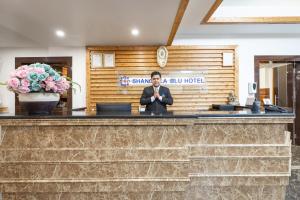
x=156, y=97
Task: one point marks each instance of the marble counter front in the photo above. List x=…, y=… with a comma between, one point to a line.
x=179, y=156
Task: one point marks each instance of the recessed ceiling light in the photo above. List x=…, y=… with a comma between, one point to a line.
x=60, y=33
x=135, y=32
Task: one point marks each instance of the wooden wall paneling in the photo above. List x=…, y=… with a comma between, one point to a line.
x=103, y=83
x=236, y=71
x=88, y=79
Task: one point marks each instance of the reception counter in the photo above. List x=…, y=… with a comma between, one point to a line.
x=205, y=155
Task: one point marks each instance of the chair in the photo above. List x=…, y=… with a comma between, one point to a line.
x=113, y=107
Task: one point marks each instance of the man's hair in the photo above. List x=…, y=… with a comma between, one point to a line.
x=155, y=73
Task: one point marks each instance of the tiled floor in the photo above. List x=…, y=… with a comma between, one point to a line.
x=293, y=190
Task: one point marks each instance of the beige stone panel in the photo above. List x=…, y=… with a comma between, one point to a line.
x=240, y=180
x=140, y=136
x=238, y=134
x=92, y=155
x=149, y=136
x=94, y=137
x=241, y=150
x=10, y=136
x=244, y=120
x=93, y=170
x=110, y=185
x=239, y=165
x=237, y=193
x=96, y=196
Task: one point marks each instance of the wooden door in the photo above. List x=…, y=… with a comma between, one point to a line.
x=293, y=87
x=297, y=104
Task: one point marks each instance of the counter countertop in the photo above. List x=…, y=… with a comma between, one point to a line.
x=200, y=114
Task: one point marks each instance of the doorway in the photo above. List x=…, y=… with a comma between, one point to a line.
x=60, y=64
x=278, y=79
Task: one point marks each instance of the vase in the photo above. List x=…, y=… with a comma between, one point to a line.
x=39, y=103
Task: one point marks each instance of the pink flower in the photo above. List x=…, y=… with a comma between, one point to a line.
x=30, y=69
x=23, y=89
x=39, y=70
x=21, y=73
x=50, y=78
x=54, y=88
x=20, y=79
x=50, y=85
x=23, y=67
x=25, y=82
x=63, y=85
x=14, y=83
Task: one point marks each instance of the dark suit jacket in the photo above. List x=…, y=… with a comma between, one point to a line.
x=157, y=105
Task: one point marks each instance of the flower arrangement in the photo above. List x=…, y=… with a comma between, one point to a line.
x=37, y=78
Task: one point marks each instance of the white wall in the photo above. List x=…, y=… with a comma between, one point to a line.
x=7, y=65
x=263, y=83
x=266, y=79
x=247, y=49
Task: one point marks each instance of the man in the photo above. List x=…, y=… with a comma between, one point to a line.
x=156, y=97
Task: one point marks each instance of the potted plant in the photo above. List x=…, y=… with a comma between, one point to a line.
x=38, y=87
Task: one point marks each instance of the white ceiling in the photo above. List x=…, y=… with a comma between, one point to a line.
x=32, y=23
x=27, y=23
x=256, y=8
x=190, y=26
x=259, y=3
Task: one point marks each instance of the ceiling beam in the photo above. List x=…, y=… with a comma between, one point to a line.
x=211, y=11
x=179, y=15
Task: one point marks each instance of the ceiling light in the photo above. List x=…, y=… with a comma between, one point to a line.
x=135, y=32
x=60, y=33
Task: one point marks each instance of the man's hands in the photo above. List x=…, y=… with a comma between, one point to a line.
x=156, y=95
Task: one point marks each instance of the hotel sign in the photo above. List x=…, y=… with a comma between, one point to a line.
x=182, y=80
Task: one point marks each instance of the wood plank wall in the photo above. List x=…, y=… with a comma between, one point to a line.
x=103, y=83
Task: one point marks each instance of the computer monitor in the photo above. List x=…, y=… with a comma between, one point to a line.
x=113, y=107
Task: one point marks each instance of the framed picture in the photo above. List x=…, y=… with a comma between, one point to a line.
x=96, y=60
x=109, y=59
x=227, y=59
